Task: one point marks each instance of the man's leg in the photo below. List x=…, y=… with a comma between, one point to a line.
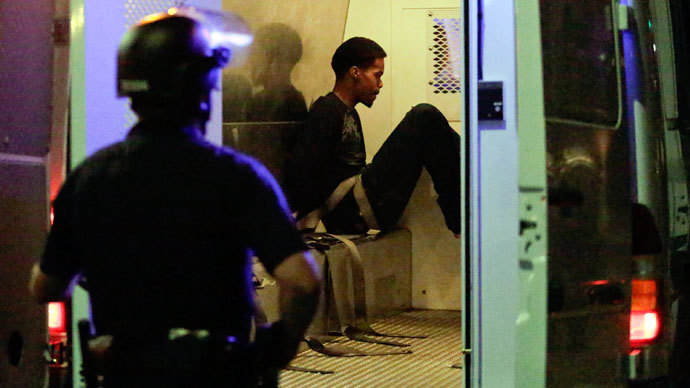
x=422, y=139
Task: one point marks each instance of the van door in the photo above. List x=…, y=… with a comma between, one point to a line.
x=27, y=81
x=588, y=169
x=531, y=323
x=492, y=217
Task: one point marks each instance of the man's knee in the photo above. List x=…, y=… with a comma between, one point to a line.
x=428, y=116
x=425, y=109
x=424, y=120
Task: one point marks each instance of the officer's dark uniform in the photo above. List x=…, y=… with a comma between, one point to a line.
x=163, y=225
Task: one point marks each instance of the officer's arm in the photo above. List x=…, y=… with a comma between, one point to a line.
x=46, y=288
x=299, y=283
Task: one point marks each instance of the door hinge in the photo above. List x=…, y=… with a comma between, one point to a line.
x=61, y=33
x=622, y=17
x=527, y=224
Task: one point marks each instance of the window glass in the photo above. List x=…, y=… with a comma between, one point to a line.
x=288, y=65
x=581, y=75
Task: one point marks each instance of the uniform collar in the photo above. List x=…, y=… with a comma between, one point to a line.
x=164, y=128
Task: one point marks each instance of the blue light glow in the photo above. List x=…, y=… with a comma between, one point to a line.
x=222, y=38
x=227, y=29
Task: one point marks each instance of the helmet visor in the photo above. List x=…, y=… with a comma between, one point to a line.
x=228, y=31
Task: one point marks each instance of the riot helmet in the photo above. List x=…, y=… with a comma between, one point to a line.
x=174, y=58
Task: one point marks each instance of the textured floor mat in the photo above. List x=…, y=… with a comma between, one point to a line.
x=429, y=364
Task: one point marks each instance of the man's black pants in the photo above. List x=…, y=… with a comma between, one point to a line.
x=422, y=139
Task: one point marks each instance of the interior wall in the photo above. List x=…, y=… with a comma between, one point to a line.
x=401, y=29
x=372, y=19
x=320, y=27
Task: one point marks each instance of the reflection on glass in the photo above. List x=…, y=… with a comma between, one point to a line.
x=268, y=93
x=580, y=74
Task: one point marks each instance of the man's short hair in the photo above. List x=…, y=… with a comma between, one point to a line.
x=357, y=51
x=280, y=42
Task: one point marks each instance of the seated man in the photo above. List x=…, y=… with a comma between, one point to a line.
x=328, y=179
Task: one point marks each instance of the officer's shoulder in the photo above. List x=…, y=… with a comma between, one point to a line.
x=241, y=161
x=94, y=165
x=101, y=156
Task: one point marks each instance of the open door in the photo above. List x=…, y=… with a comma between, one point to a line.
x=505, y=276
x=589, y=164
x=32, y=83
x=531, y=321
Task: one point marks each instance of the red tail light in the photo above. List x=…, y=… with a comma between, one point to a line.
x=56, y=318
x=644, y=317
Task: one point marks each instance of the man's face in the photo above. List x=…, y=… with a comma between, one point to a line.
x=369, y=82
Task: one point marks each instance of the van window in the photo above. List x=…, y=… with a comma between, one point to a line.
x=581, y=73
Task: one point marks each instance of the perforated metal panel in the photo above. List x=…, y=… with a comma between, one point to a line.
x=137, y=9
x=444, y=60
x=446, y=55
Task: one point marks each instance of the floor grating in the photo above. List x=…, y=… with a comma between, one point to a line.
x=429, y=364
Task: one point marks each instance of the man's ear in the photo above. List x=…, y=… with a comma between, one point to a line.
x=354, y=72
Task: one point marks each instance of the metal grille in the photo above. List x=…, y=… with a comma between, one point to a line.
x=135, y=10
x=446, y=55
x=429, y=364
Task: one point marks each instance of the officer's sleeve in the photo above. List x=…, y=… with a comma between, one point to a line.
x=270, y=227
x=61, y=256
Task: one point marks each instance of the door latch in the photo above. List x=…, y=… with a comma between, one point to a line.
x=525, y=224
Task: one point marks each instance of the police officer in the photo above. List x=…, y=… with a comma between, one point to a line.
x=164, y=224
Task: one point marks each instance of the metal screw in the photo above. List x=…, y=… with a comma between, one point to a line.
x=431, y=13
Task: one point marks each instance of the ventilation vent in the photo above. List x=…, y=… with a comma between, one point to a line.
x=445, y=48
